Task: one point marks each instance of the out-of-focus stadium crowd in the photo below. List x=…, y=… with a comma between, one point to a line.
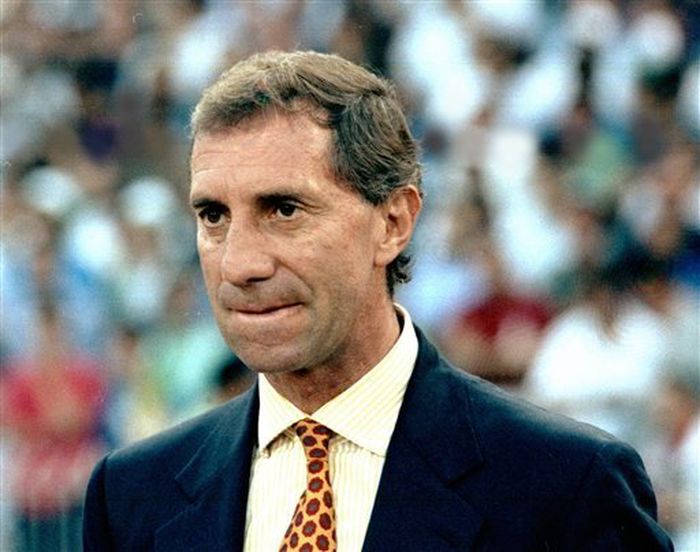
x=558, y=253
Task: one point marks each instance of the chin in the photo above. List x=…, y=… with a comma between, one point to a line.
x=269, y=360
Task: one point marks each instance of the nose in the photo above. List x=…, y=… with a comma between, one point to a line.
x=246, y=259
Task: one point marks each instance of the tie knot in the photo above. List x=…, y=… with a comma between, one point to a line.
x=314, y=436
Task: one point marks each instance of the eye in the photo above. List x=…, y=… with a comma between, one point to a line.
x=211, y=216
x=286, y=209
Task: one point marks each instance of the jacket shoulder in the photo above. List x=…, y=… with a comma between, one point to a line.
x=498, y=416
x=137, y=489
x=570, y=484
x=166, y=447
x=504, y=415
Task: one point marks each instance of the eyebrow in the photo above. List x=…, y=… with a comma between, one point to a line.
x=278, y=197
x=199, y=202
x=264, y=199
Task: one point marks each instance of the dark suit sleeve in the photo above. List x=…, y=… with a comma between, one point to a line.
x=615, y=507
x=96, y=534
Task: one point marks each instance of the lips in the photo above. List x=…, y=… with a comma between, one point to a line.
x=262, y=309
x=256, y=301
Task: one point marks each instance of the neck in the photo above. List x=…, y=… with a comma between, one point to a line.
x=310, y=388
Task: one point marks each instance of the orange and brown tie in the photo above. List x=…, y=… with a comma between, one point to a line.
x=313, y=524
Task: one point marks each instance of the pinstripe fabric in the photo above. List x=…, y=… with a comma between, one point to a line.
x=362, y=417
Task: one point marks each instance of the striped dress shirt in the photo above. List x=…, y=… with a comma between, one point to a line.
x=362, y=417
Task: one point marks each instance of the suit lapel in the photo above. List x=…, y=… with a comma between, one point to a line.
x=216, y=482
x=418, y=506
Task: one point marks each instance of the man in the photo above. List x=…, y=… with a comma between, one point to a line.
x=357, y=436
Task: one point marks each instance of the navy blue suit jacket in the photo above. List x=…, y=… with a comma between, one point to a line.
x=468, y=468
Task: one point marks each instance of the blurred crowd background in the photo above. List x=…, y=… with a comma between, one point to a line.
x=558, y=254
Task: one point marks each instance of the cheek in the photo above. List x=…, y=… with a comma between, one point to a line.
x=340, y=248
x=357, y=248
x=210, y=261
x=344, y=261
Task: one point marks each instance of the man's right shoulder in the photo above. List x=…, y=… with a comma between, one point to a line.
x=137, y=489
x=163, y=455
x=186, y=436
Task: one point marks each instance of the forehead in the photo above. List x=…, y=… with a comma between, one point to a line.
x=270, y=139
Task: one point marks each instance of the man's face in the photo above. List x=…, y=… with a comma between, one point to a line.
x=289, y=255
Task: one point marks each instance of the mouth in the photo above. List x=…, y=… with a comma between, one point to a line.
x=262, y=310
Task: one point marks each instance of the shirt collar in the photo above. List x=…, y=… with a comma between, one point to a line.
x=365, y=413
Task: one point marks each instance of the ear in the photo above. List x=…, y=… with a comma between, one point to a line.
x=399, y=214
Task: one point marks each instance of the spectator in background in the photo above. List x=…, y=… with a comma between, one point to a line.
x=135, y=406
x=497, y=338
x=602, y=357
x=675, y=462
x=445, y=278
x=231, y=379
x=36, y=265
x=365, y=34
x=97, y=129
x=184, y=350
x=53, y=404
x=157, y=247
x=662, y=209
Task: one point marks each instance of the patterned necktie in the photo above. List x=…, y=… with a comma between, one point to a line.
x=313, y=524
